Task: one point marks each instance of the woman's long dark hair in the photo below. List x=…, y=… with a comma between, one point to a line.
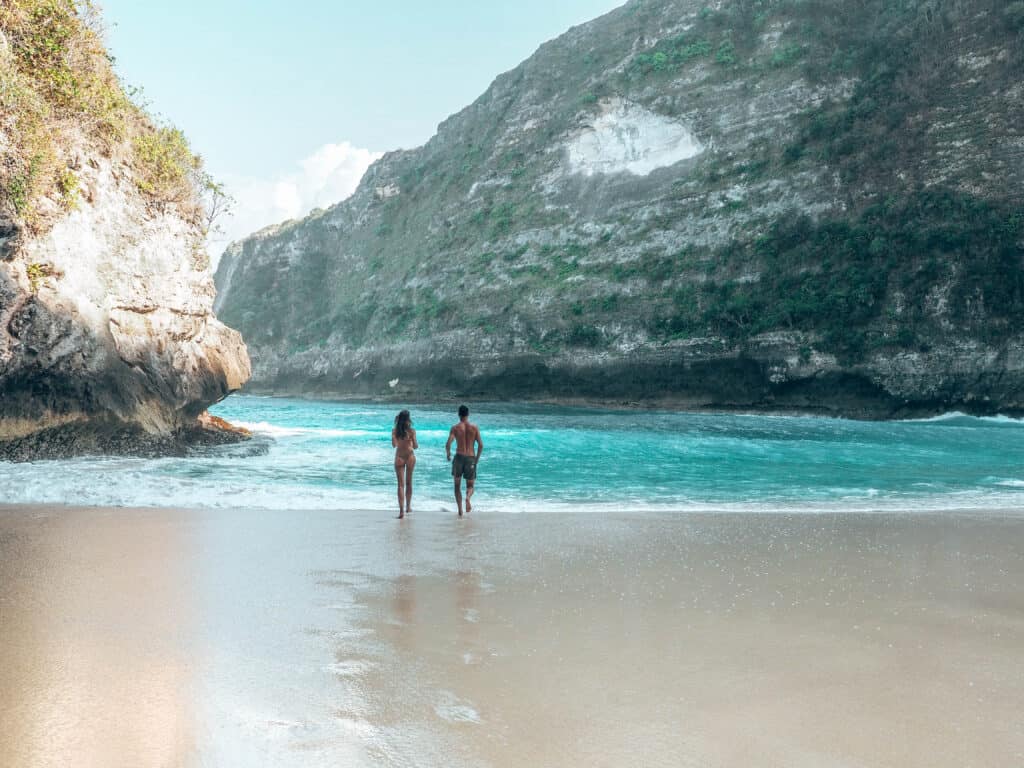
x=403, y=423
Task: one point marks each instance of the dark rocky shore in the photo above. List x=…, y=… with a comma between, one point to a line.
x=111, y=439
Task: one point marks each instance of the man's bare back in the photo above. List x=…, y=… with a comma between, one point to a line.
x=465, y=435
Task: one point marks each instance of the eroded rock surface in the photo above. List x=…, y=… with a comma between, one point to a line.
x=625, y=137
x=108, y=341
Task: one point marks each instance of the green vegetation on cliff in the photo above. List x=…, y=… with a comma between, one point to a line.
x=866, y=284
x=58, y=87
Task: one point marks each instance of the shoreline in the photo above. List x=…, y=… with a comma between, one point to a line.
x=974, y=513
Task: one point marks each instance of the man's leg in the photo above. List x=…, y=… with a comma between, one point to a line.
x=458, y=494
x=470, y=485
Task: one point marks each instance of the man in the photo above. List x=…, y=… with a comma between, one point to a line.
x=464, y=435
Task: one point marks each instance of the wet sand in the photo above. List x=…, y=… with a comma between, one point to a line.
x=238, y=638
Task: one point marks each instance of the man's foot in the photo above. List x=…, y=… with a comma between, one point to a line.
x=469, y=507
x=401, y=514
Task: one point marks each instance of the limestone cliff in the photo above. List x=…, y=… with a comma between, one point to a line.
x=757, y=204
x=108, y=341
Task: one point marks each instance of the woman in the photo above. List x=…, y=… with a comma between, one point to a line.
x=403, y=439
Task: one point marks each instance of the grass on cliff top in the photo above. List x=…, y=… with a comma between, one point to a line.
x=57, y=84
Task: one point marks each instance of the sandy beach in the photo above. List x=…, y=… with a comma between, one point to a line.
x=251, y=638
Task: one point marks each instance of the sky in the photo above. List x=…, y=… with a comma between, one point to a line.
x=289, y=102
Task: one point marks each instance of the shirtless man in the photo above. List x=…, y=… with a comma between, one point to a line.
x=464, y=435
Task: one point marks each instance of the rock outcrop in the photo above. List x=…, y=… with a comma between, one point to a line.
x=108, y=341
x=754, y=204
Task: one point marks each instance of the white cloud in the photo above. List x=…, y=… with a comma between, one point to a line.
x=326, y=177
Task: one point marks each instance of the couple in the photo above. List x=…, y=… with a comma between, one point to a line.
x=463, y=434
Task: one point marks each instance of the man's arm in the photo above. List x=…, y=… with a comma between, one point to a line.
x=479, y=444
x=448, y=445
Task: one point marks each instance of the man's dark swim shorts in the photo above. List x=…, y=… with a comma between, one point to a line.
x=464, y=466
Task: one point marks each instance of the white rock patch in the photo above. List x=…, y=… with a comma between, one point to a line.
x=629, y=138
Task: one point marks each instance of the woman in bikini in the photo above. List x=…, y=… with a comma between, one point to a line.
x=403, y=439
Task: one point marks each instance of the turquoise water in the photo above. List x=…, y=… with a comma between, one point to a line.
x=338, y=455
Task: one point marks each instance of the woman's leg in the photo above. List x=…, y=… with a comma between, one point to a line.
x=410, y=465
x=400, y=475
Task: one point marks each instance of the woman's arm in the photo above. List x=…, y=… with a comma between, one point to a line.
x=394, y=440
x=415, y=444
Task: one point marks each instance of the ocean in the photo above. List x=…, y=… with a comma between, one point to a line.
x=331, y=455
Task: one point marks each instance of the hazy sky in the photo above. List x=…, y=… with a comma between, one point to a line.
x=290, y=101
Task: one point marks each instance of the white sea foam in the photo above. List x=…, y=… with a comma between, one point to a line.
x=357, y=726
x=351, y=668
x=138, y=483
x=122, y=483
x=951, y=416
x=274, y=430
x=961, y=416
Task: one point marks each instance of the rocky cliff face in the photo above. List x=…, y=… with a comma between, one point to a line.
x=108, y=341
x=758, y=204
